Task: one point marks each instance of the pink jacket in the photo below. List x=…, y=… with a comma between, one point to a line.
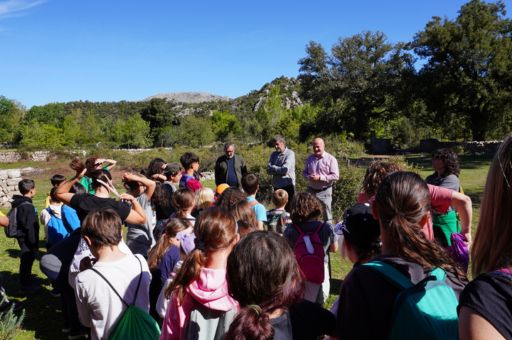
x=210, y=290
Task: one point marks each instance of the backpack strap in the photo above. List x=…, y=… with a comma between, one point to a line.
x=110, y=285
x=439, y=274
x=318, y=228
x=392, y=274
x=299, y=229
x=115, y=291
x=138, y=283
x=301, y=232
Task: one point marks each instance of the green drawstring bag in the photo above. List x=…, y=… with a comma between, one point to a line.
x=135, y=323
x=444, y=226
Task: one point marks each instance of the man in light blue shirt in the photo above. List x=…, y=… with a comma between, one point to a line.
x=281, y=166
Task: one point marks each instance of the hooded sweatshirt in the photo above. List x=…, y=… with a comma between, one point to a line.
x=46, y=216
x=210, y=290
x=27, y=220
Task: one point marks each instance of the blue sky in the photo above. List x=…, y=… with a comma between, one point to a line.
x=110, y=50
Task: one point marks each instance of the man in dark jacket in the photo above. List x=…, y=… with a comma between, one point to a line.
x=28, y=232
x=230, y=168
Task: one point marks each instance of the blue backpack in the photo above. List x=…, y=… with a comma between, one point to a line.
x=426, y=310
x=57, y=230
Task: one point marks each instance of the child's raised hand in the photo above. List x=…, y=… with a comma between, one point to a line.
x=129, y=177
x=127, y=197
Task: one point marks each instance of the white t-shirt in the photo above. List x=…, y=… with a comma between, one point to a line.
x=98, y=306
x=83, y=251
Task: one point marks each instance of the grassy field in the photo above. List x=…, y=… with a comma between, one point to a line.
x=43, y=318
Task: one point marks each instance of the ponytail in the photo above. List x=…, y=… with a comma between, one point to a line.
x=189, y=272
x=215, y=229
x=251, y=323
x=402, y=202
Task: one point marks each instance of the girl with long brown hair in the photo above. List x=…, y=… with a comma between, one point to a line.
x=270, y=292
x=162, y=259
x=485, y=306
x=402, y=206
x=200, y=287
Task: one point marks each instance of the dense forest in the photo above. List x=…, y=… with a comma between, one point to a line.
x=452, y=81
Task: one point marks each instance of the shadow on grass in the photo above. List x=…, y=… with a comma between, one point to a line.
x=14, y=253
x=43, y=313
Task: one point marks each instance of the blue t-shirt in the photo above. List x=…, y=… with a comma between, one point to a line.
x=231, y=179
x=259, y=209
x=171, y=257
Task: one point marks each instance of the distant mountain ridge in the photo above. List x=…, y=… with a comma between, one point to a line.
x=189, y=97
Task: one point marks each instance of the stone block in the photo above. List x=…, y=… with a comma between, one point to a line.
x=14, y=173
x=13, y=182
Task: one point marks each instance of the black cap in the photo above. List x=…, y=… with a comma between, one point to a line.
x=359, y=226
x=172, y=169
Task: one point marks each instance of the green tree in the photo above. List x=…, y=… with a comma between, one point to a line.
x=356, y=83
x=225, y=125
x=132, y=132
x=11, y=115
x=42, y=136
x=191, y=131
x=52, y=114
x=468, y=69
x=71, y=128
x=270, y=113
x=91, y=130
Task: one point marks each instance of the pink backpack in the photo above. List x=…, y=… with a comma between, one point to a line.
x=310, y=254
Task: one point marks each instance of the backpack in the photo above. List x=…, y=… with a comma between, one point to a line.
x=184, y=181
x=135, y=323
x=309, y=252
x=12, y=229
x=207, y=324
x=426, y=310
x=57, y=229
x=276, y=220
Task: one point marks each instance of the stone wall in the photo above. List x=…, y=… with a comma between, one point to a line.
x=9, y=185
x=16, y=156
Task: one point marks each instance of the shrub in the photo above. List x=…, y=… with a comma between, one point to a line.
x=346, y=189
x=10, y=323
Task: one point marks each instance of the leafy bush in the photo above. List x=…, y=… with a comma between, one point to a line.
x=346, y=189
x=10, y=323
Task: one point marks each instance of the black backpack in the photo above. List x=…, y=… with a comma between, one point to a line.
x=12, y=229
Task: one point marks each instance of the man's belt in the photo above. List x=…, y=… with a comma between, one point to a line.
x=319, y=190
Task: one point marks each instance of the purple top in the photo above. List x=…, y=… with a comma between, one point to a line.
x=171, y=257
x=325, y=166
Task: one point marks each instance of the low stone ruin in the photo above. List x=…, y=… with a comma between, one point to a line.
x=9, y=185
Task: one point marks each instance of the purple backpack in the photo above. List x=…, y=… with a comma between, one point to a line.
x=459, y=251
x=310, y=254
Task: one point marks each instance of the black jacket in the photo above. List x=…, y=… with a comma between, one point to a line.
x=221, y=169
x=28, y=223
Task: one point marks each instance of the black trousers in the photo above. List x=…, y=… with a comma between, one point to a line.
x=27, y=257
